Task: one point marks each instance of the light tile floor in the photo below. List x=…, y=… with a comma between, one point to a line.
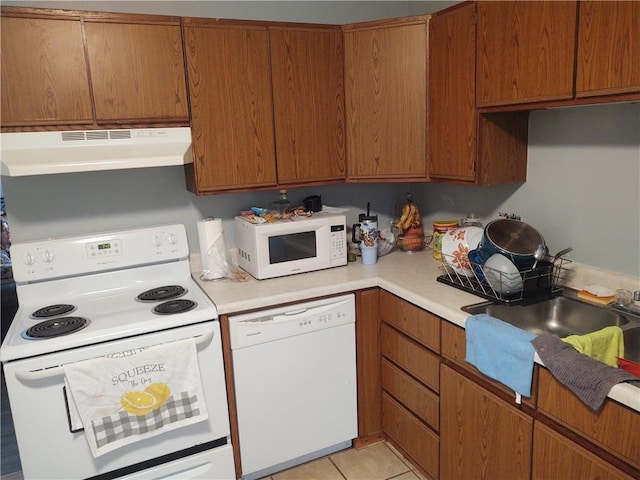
x=379, y=461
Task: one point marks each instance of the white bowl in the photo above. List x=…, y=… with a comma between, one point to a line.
x=503, y=276
x=456, y=245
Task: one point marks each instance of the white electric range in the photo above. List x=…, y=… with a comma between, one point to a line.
x=93, y=295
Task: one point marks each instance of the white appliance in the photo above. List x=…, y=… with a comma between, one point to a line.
x=40, y=153
x=295, y=383
x=87, y=296
x=281, y=248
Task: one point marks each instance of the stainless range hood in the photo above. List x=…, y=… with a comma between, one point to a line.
x=42, y=153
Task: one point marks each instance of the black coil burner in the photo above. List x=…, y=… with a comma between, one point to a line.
x=53, y=310
x=162, y=293
x=55, y=327
x=174, y=306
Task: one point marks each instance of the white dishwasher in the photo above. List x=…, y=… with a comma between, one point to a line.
x=294, y=370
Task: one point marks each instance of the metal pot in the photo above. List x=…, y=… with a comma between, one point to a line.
x=514, y=239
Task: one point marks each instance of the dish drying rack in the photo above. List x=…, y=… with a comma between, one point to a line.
x=538, y=283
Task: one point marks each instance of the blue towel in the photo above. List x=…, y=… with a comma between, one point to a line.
x=500, y=351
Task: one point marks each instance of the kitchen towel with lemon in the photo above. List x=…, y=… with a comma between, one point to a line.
x=128, y=396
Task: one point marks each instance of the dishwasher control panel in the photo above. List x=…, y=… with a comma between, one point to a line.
x=273, y=324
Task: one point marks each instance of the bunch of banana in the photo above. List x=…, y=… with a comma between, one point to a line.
x=410, y=216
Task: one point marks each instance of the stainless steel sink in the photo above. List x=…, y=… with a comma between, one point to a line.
x=632, y=343
x=563, y=316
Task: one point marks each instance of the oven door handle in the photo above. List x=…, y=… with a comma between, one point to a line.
x=50, y=372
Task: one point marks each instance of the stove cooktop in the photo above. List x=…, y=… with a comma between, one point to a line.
x=104, y=305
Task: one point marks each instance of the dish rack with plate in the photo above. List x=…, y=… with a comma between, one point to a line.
x=538, y=283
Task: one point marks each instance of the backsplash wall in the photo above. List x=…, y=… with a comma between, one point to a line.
x=583, y=190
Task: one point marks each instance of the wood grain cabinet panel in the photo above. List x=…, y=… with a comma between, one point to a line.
x=137, y=71
x=614, y=427
x=307, y=71
x=526, y=51
x=555, y=456
x=231, y=107
x=608, y=48
x=419, y=324
x=465, y=146
x=452, y=94
x=416, y=439
x=368, y=365
x=44, y=72
x=409, y=355
x=386, y=89
x=480, y=435
x=419, y=400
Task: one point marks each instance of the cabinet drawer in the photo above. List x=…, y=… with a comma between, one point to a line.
x=419, y=324
x=409, y=355
x=421, y=401
x=420, y=443
x=614, y=427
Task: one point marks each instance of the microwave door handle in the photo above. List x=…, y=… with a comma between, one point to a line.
x=50, y=372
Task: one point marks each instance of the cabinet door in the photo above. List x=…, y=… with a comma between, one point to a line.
x=452, y=79
x=44, y=72
x=613, y=427
x=137, y=72
x=386, y=102
x=307, y=71
x=555, y=456
x=231, y=107
x=608, y=48
x=526, y=51
x=480, y=436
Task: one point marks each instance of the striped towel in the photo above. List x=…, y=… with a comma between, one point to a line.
x=591, y=380
x=130, y=396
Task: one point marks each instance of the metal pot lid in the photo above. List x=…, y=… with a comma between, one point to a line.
x=513, y=236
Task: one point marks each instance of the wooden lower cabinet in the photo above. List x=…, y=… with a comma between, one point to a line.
x=556, y=457
x=614, y=427
x=481, y=436
x=368, y=365
x=420, y=443
x=410, y=373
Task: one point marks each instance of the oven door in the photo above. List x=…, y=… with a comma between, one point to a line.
x=49, y=449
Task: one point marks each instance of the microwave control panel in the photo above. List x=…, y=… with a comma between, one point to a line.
x=338, y=245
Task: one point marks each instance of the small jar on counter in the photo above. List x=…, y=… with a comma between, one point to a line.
x=440, y=228
x=471, y=220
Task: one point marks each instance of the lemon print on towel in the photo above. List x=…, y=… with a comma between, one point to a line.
x=140, y=403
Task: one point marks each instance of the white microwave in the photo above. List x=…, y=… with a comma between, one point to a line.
x=270, y=250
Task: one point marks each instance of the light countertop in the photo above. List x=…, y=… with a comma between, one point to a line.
x=411, y=276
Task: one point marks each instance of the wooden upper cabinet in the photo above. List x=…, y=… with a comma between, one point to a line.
x=465, y=146
x=137, y=71
x=525, y=51
x=231, y=107
x=386, y=89
x=307, y=72
x=452, y=88
x=44, y=72
x=608, y=48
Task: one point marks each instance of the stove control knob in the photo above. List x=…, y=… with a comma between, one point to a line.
x=157, y=241
x=172, y=239
x=29, y=258
x=47, y=256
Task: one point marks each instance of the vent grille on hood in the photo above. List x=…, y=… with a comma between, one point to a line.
x=40, y=153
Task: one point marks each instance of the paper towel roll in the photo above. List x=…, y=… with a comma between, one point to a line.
x=210, y=236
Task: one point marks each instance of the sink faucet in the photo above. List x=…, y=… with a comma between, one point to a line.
x=631, y=306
